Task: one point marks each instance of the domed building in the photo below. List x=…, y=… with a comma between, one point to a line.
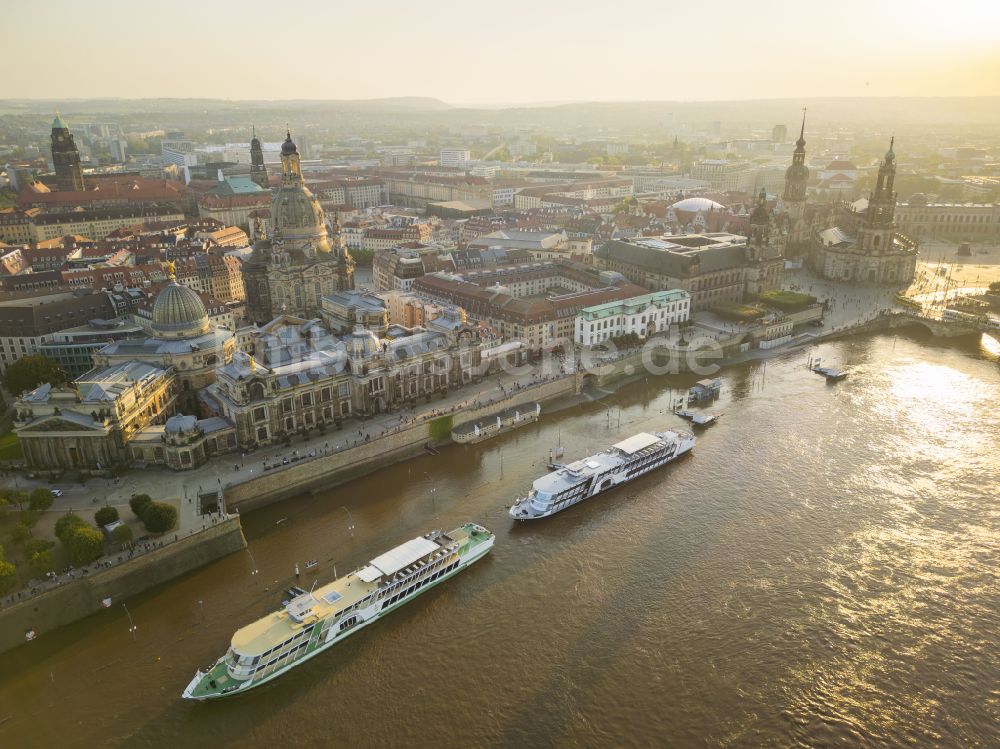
x=696, y=215
x=181, y=336
x=179, y=313
x=292, y=270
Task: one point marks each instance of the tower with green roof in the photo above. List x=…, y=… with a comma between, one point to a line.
x=65, y=157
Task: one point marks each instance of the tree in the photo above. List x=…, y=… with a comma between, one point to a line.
x=40, y=499
x=159, y=517
x=139, y=503
x=38, y=555
x=84, y=544
x=20, y=533
x=29, y=372
x=8, y=577
x=995, y=287
x=67, y=524
x=105, y=516
x=122, y=535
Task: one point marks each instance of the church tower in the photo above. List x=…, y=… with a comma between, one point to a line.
x=65, y=157
x=794, y=196
x=760, y=229
x=876, y=230
x=258, y=172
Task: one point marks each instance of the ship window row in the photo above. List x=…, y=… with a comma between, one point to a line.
x=290, y=655
x=304, y=633
x=410, y=576
x=417, y=586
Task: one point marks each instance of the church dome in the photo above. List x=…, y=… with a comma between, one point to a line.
x=697, y=204
x=288, y=147
x=296, y=214
x=179, y=313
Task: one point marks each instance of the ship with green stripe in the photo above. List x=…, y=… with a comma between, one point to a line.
x=310, y=622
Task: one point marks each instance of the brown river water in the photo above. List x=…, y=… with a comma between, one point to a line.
x=822, y=571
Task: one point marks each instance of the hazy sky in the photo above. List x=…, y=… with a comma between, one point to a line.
x=500, y=51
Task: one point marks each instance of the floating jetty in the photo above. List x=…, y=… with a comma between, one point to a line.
x=698, y=419
x=502, y=422
x=832, y=374
x=704, y=390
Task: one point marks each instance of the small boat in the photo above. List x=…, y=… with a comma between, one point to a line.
x=311, y=563
x=30, y=635
x=698, y=419
x=106, y=602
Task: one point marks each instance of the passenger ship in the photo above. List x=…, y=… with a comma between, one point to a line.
x=619, y=464
x=314, y=621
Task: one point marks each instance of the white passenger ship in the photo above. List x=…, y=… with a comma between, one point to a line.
x=619, y=464
x=313, y=621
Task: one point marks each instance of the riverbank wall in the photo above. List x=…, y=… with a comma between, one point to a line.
x=331, y=469
x=82, y=596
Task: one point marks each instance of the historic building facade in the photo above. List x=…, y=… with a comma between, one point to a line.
x=712, y=268
x=292, y=270
x=300, y=377
x=872, y=252
x=182, y=339
x=88, y=423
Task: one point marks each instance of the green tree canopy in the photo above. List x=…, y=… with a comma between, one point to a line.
x=105, y=515
x=29, y=372
x=36, y=551
x=139, y=503
x=84, y=544
x=40, y=499
x=67, y=524
x=20, y=533
x=159, y=517
x=8, y=577
x=122, y=535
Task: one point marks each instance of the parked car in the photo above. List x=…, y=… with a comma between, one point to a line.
x=56, y=492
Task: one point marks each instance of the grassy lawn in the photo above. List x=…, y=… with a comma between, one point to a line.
x=788, y=301
x=10, y=447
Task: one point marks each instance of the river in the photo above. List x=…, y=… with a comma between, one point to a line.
x=821, y=571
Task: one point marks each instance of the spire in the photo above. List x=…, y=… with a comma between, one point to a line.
x=801, y=142
x=890, y=155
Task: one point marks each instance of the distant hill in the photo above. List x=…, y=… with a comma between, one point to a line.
x=414, y=103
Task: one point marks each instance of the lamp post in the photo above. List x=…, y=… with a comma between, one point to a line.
x=350, y=519
x=131, y=624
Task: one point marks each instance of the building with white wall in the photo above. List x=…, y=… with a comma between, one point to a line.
x=455, y=156
x=644, y=316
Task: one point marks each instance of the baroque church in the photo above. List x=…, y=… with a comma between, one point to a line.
x=290, y=271
x=864, y=246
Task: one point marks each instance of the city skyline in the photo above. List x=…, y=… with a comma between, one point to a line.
x=558, y=52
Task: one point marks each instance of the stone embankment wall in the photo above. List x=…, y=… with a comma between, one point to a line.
x=82, y=596
x=353, y=462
